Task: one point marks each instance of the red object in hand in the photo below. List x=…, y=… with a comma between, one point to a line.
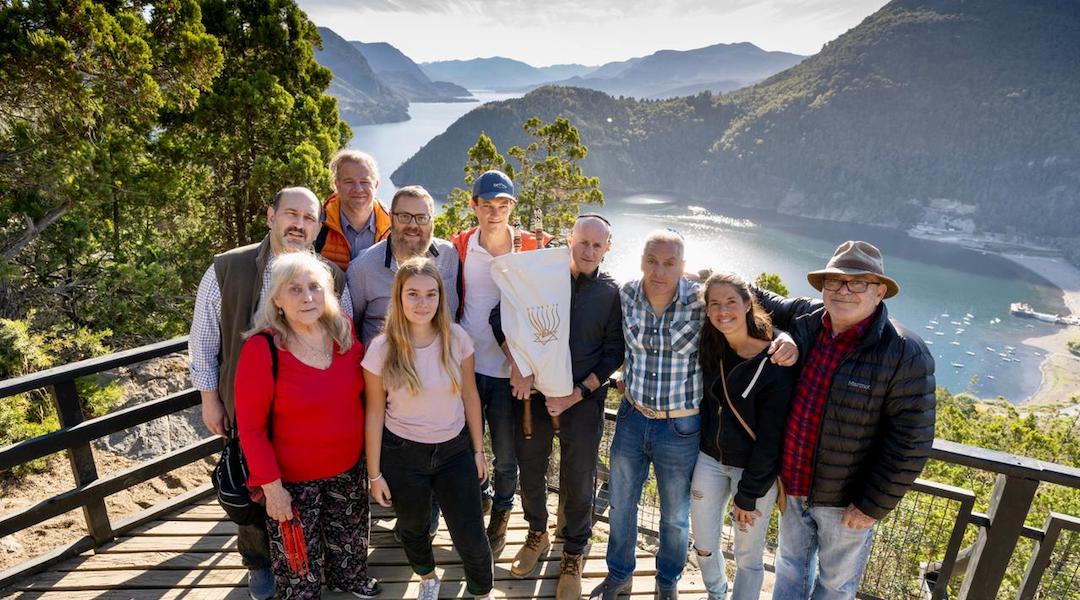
x=292, y=534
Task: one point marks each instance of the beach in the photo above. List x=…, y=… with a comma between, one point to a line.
x=1060, y=368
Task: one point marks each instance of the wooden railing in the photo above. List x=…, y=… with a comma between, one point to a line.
x=999, y=529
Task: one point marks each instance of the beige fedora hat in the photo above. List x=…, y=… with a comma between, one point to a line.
x=855, y=258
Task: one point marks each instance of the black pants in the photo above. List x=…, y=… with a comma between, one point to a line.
x=415, y=471
x=254, y=545
x=581, y=428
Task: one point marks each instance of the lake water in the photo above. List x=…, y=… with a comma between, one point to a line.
x=967, y=293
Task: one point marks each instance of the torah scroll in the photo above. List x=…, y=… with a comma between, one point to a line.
x=535, y=288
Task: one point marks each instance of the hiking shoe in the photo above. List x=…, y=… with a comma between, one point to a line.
x=261, y=583
x=667, y=594
x=485, y=505
x=369, y=588
x=569, y=577
x=609, y=590
x=429, y=588
x=536, y=544
x=496, y=531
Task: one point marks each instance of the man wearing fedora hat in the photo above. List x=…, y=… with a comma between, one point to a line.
x=860, y=425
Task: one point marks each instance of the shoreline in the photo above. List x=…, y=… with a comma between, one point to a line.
x=1060, y=368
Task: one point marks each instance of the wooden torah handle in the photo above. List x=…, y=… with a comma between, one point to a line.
x=538, y=235
x=526, y=419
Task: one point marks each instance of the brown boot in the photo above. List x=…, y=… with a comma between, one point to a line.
x=496, y=531
x=569, y=578
x=536, y=544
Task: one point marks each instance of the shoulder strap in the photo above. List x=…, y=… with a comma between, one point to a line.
x=273, y=369
x=320, y=241
x=731, y=405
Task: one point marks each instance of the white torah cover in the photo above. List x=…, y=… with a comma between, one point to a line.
x=535, y=312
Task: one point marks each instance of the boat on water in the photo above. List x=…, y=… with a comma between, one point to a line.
x=1024, y=310
x=946, y=315
x=1010, y=348
x=958, y=365
x=933, y=322
x=939, y=333
x=954, y=343
x=960, y=330
x=969, y=353
x=957, y=323
x=989, y=349
x=929, y=343
x=929, y=326
x=990, y=376
x=969, y=315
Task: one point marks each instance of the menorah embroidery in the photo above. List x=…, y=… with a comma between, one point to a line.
x=545, y=322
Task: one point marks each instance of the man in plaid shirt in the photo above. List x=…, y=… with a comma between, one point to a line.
x=658, y=420
x=860, y=427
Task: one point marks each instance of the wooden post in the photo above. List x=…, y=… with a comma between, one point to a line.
x=83, y=467
x=1010, y=502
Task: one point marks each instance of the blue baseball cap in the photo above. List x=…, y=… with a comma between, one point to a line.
x=493, y=184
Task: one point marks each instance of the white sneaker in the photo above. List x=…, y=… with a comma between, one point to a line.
x=429, y=588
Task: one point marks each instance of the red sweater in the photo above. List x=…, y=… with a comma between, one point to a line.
x=318, y=415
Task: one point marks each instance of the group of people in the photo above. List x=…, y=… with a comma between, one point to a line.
x=355, y=355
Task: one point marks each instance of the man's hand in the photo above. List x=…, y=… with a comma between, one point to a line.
x=520, y=385
x=745, y=518
x=213, y=413
x=557, y=405
x=783, y=350
x=854, y=518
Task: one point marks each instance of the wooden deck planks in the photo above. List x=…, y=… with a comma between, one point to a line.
x=191, y=555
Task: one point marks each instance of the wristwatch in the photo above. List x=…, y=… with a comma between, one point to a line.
x=584, y=390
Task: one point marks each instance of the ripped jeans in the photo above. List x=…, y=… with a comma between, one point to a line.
x=713, y=486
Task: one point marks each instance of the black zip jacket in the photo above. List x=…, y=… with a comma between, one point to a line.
x=761, y=392
x=878, y=425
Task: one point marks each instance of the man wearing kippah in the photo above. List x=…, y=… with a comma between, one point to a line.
x=860, y=427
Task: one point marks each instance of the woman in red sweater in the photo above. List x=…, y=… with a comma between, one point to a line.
x=302, y=430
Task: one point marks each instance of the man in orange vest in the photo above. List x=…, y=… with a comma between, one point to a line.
x=353, y=218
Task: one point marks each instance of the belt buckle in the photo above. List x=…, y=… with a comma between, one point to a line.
x=649, y=413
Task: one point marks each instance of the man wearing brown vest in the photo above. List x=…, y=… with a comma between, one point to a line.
x=228, y=296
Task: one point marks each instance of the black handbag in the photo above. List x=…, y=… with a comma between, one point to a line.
x=231, y=473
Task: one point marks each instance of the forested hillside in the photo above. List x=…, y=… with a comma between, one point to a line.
x=363, y=97
x=977, y=103
x=137, y=140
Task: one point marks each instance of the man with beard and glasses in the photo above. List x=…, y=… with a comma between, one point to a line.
x=353, y=219
x=230, y=293
x=371, y=275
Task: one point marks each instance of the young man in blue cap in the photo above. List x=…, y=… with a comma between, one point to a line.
x=492, y=203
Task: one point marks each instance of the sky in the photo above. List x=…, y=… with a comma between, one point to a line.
x=591, y=32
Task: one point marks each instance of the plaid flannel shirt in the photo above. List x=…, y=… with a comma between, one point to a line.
x=808, y=405
x=661, y=369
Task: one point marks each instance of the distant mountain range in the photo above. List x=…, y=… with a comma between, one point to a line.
x=362, y=97
x=672, y=73
x=405, y=77
x=498, y=73
x=929, y=111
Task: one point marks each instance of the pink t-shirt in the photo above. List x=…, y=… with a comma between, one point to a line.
x=437, y=414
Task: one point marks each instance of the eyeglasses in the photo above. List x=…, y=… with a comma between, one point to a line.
x=855, y=286
x=404, y=218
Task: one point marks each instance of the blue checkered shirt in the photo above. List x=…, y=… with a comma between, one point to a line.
x=204, y=341
x=661, y=369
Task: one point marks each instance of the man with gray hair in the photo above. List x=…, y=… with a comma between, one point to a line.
x=353, y=219
x=230, y=293
x=658, y=421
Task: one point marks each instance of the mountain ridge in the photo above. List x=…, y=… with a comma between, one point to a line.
x=925, y=104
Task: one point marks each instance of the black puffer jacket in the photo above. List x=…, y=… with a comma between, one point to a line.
x=761, y=392
x=878, y=425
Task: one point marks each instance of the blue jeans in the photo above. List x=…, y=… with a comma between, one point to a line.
x=671, y=446
x=498, y=405
x=712, y=488
x=819, y=557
